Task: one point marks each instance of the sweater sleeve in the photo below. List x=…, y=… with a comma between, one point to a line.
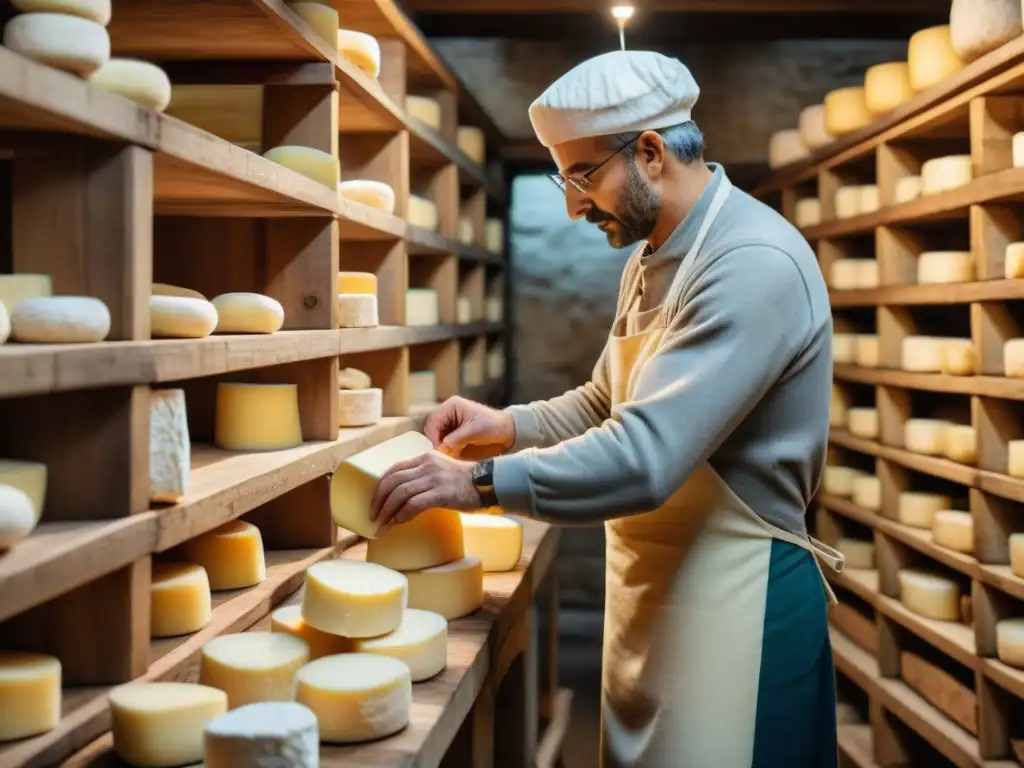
x=742, y=321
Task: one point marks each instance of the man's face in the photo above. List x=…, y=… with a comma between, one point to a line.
x=620, y=197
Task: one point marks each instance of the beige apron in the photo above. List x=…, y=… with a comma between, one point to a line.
x=685, y=597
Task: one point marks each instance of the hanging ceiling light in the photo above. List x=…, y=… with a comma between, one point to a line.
x=622, y=15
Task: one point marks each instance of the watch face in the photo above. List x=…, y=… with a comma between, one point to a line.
x=482, y=471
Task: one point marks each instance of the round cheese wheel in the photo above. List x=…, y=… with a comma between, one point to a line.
x=93, y=10
x=954, y=530
x=60, y=320
x=375, y=194
x=65, y=42
x=979, y=26
x=863, y=422
x=421, y=641
x=846, y=110
x=941, y=174
x=361, y=49
x=139, y=81
x=288, y=619
x=164, y=289
x=908, y=188
x=176, y=317
x=867, y=350
x=844, y=348
x=959, y=358
x=869, y=200
x=886, y=86
x=433, y=537
x=360, y=407
x=917, y=508
x=922, y=354
x=17, y=516
x=248, y=313
x=354, y=599
x=925, y=436
x=931, y=57
x=30, y=695
x=808, y=212
x=357, y=310
x=270, y=734
x=848, y=201
x=5, y=323
x=1010, y=642
x=838, y=481
x=253, y=666
x=812, y=127
x=867, y=492
x=785, y=147
x=930, y=595
x=496, y=539
x=960, y=443
x=1014, y=255
x=945, y=267
x=453, y=590
x=180, y=601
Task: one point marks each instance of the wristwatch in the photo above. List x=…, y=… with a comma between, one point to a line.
x=483, y=479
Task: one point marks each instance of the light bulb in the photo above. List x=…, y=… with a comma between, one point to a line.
x=622, y=12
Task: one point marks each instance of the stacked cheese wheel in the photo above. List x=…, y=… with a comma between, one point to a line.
x=359, y=403
x=357, y=300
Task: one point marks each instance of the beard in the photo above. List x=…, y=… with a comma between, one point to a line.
x=635, y=215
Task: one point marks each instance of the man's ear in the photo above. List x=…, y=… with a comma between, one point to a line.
x=650, y=148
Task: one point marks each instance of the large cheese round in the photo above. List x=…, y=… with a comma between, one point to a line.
x=960, y=443
x=930, y=595
x=918, y=508
x=60, y=320
x=257, y=417
x=922, y=354
x=848, y=201
x=310, y=162
x=422, y=212
x=496, y=539
x=30, y=694
x=470, y=140
x=176, y=317
x=931, y=57
x=248, y=313
x=1010, y=642
x=959, y=358
x=812, y=127
x=867, y=350
x=270, y=734
x=863, y=422
x=357, y=310
x=869, y=198
x=354, y=599
x=433, y=537
x=785, y=147
x=321, y=17
x=253, y=666
x=360, y=407
x=808, y=212
x=179, y=599
x=1013, y=358
x=139, y=81
x=231, y=554
x=867, y=492
x=941, y=174
x=1017, y=554
x=17, y=516
x=857, y=553
x=1015, y=458
x=1013, y=257
x=979, y=26
x=424, y=109
x=886, y=86
x=65, y=42
x=954, y=530
x=926, y=436
x=452, y=590
x=93, y=10
x=361, y=49
x=945, y=267
x=375, y=194
x=846, y=110
x=421, y=641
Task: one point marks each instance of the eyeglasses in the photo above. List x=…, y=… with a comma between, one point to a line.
x=583, y=181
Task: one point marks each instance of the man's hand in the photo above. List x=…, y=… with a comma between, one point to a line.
x=468, y=430
x=430, y=480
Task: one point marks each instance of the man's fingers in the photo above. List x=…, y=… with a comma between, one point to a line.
x=393, y=478
x=416, y=504
x=399, y=496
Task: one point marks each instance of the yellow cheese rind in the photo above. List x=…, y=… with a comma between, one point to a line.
x=942, y=174
x=30, y=694
x=231, y=554
x=839, y=405
x=931, y=57
x=93, y=10
x=1013, y=263
x=848, y=201
x=959, y=358
x=960, y=443
x=849, y=274
x=1015, y=458
x=857, y=553
x=421, y=212
x=1013, y=358
x=322, y=18
x=421, y=641
x=357, y=310
x=886, y=86
x=863, y=422
x=808, y=212
x=422, y=388
x=354, y=599
x=60, y=320
x=954, y=530
x=17, y=516
x=139, y=81
x=453, y=590
x=907, y=188
x=170, y=450
x=846, y=110
x=312, y=163
x=421, y=307
x=361, y=49
x=433, y=537
x=494, y=235
x=917, y=509
x=177, y=317
x=463, y=310
x=838, y=481
x=1017, y=554
x=257, y=417
x=869, y=198
x=925, y=436
x=945, y=267
x=360, y=407
x=375, y=194
x=785, y=147
x=248, y=313
x=929, y=595
x=867, y=350
x=165, y=289
x=867, y=492
x=180, y=601
x=251, y=667
x=288, y=619
x=426, y=110
x=844, y=348
x=29, y=477
x=1010, y=642
x=470, y=140
x=496, y=539
x=70, y=43
x=357, y=282
x=923, y=354
x=14, y=288
x=812, y=127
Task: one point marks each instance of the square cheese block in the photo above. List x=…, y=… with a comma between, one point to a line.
x=421, y=307
x=422, y=388
x=808, y=212
x=421, y=212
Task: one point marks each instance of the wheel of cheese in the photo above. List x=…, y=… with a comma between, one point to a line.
x=138, y=81
x=466, y=232
x=176, y=317
x=917, y=508
x=867, y=350
x=1017, y=150
x=869, y=201
x=844, y=348
x=30, y=694
x=907, y=188
x=164, y=289
x=923, y=354
x=17, y=516
x=867, y=492
x=232, y=555
x=70, y=43
x=808, y=212
x=5, y=323
x=248, y=313
x=848, y=202
x=979, y=26
x=357, y=282
x=954, y=530
x=785, y=147
x=453, y=590
x=1015, y=458
x=838, y=406
x=846, y=110
x=863, y=422
x=93, y=10
x=180, y=601
x=312, y=163
x=886, y=86
x=945, y=267
x=357, y=310
x=857, y=553
x=60, y=320
x=361, y=49
x=288, y=619
x=496, y=539
x=1013, y=358
x=1010, y=642
x=426, y=110
x=959, y=358
x=470, y=140
x=257, y=417
x=360, y=407
x=354, y=599
x=463, y=310
x=925, y=436
x=1013, y=266
x=421, y=641
x=845, y=274
x=960, y=444
x=930, y=595
x=433, y=537
x=931, y=57
x=375, y=194
x=251, y=667
x=270, y=734
x=812, y=127
x=321, y=17
x=868, y=273
x=494, y=235
x=1017, y=553
x=421, y=212
x=353, y=378
x=942, y=174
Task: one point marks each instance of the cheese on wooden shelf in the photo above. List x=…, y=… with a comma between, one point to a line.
x=170, y=454
x=312, y=163
x=467, y=233
x=253, y=666
x=257, y=417
x=139, y=81
x=960, y=443
x=886, y=86
x=929, y=595
x=60, y=320
x=93, y=10
x=931, y=57
x=421, y=307
x=421, y=212
x=495, y=539
x=869, y=201
x=867, y=492
x=15, y=288
x=422, y=388
x=923, y=354
x=231, y=554
x=494, y=309
x=1017, y=148
x=355, y=479
x=785, y=147
x=812, y=127
x=353, y=598
x=165, y=289
x=944, y=173
x=353, y=378
x=357, y=310
x=844, y=347
x=846, y=110
x=356, y=696
x=421, y=641
x=375, y=194
x=453, y=590
x=1013, y=266
x=288, y=619
x=959, y=358
x=866, y=354
x=846, y=274
x=357, y=283
x=863, y=422
x=1013, y=358
x=433, y=537
x=858, y=553
x=945, y=267
x=161, y=724
x=28, y=477
x=1017, y=554
x=954, y=530
x=979, y=26
x=926, y=436
x=180, y=600
x=907, y=188
x=17, y=516
x=918, y=508
x=426, y=110
x=1015, y=458
x=266, y=734
x=360, y=407
x=463, y=310
x=1010, y=642
x=473, y=371
x=70, y=43
x=177, y=317
x=494, y=235
x=470, y=140
x=808, y=212
x=496, y=363
x=321, y=17
x=5, y=323
x=847, y=202
x=361, y=49
x=248, y=313
x=30, y=694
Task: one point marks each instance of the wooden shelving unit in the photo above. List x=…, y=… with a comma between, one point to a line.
x=929, y=693
x=108, y=197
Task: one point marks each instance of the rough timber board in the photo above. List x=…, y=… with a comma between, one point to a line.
x=986, y=386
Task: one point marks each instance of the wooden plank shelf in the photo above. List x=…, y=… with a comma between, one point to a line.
x=863, y=583
x=987, y=386
x=952, y=638
x=935, y=295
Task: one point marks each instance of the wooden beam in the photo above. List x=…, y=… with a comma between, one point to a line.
x=886, y=7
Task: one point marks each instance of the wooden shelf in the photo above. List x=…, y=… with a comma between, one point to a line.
x=952, y=293
x=987, y=386
x=950, y=637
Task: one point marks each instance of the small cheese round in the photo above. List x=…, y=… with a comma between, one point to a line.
x=979, y=26
x=93, y=10
x=846, y=110
x=470, y=140
x=867, y=492
x=494, y=309
x=288, y=619
x=808, y=212
x=925, y=436
x=785, y=147
x=60, y=320
x=421, y=641
x=139, y=81
x=17, y=516
x=357, y=282
x=354, y=599
x=907, y=188
x=467, y=233
x=844, y=348
x=857, y=553
x=1015, y=458
x=867, y=350
x=421, y=212
x=164, y=289
x=253, y=666
x=959, y=358
x=248, y=313
x=361, y=49
x=931, y=57
x=1017, y=554
x=954, y=530
x=886, y=86
x=156, y=725
x=360, y=407
x=494, y=234
x=941, y=174
x=918, y=508
x=176, y=317
x=268, y=734
x=70, y=43
x=433, y=537
x=945, y=267
x=357, y=310
x=356, y=696
x=231, y=554
x=312, y=163
x=929, y=595
x=424, y=109
x=863, y=422
x=848, y=202
x=1013, y=358
x=960, y=443
x=869, y=199
x=5, y=323
x=1013, y=266
x=375, y=194
x=844, y=274
x=496, y=539
x=839, y=404
x=30, y=694
x=179, y=599
x=923, y=354
x=321, y=17
x=452, y=590
x=463, y=310
x=353, y=378
x=812, y=127
x=1010, y=642
x=257, y=417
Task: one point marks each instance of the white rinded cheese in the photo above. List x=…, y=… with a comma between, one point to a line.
x=433, y=537
x=170, y=450
x=808, y=212
x=248, y=313
x=960, y=443
x=886, y=86
x=857, y=553
x=355, y=479
x=496, y=539
x=453, y=590
x=253, y=666
x=375, y=194
x=1018, y=150
x=422, y=388
x=93, y=10
x=71, y=43
x=931, y=57
x=1013, y=358
x=14, y=288
x=353, y=598
x=164, y=289
x=267, y=734
x=812, y=127
x=925, y=436
x=941, y=174
x=1010, y=642
x=907, y=188
x=421, y=307
x=979, y=26
x=421, y=212
x=785, y=147
x=945, y=267
x=361, y=49
x=161, y=724
x=1014, y=258
x=494, y=309
x=471, y=141
x=846, y=110
x=136, y=80
x=1017, y=554
x=463, y=310
x=356, y=697
x=954, y=530
x=177, y=317
x=929, y=595
x=180, y=601
x=30, y=694
x=321, y=17
x=257, y=417
x=357, y=310
x=494, y=235
x=426, y=110
x=28, y=477
x=312, y=163
x=360, y=407
x=959, y=358
x=60, y=320
x=357, y=282
x=353, y=378
x=421, y=641
x=917, y=508
x=846, y=273
x=863, y=422
x=869, y=200
x=231, y=554
x=288, y=619
x=866, y=354
x=467, y=233
x=848, y=202
x=844, y=347
x=17, y=516
x=923, y=354
x=867, y=492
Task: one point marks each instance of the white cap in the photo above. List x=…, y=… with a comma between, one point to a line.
x=617, y=92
